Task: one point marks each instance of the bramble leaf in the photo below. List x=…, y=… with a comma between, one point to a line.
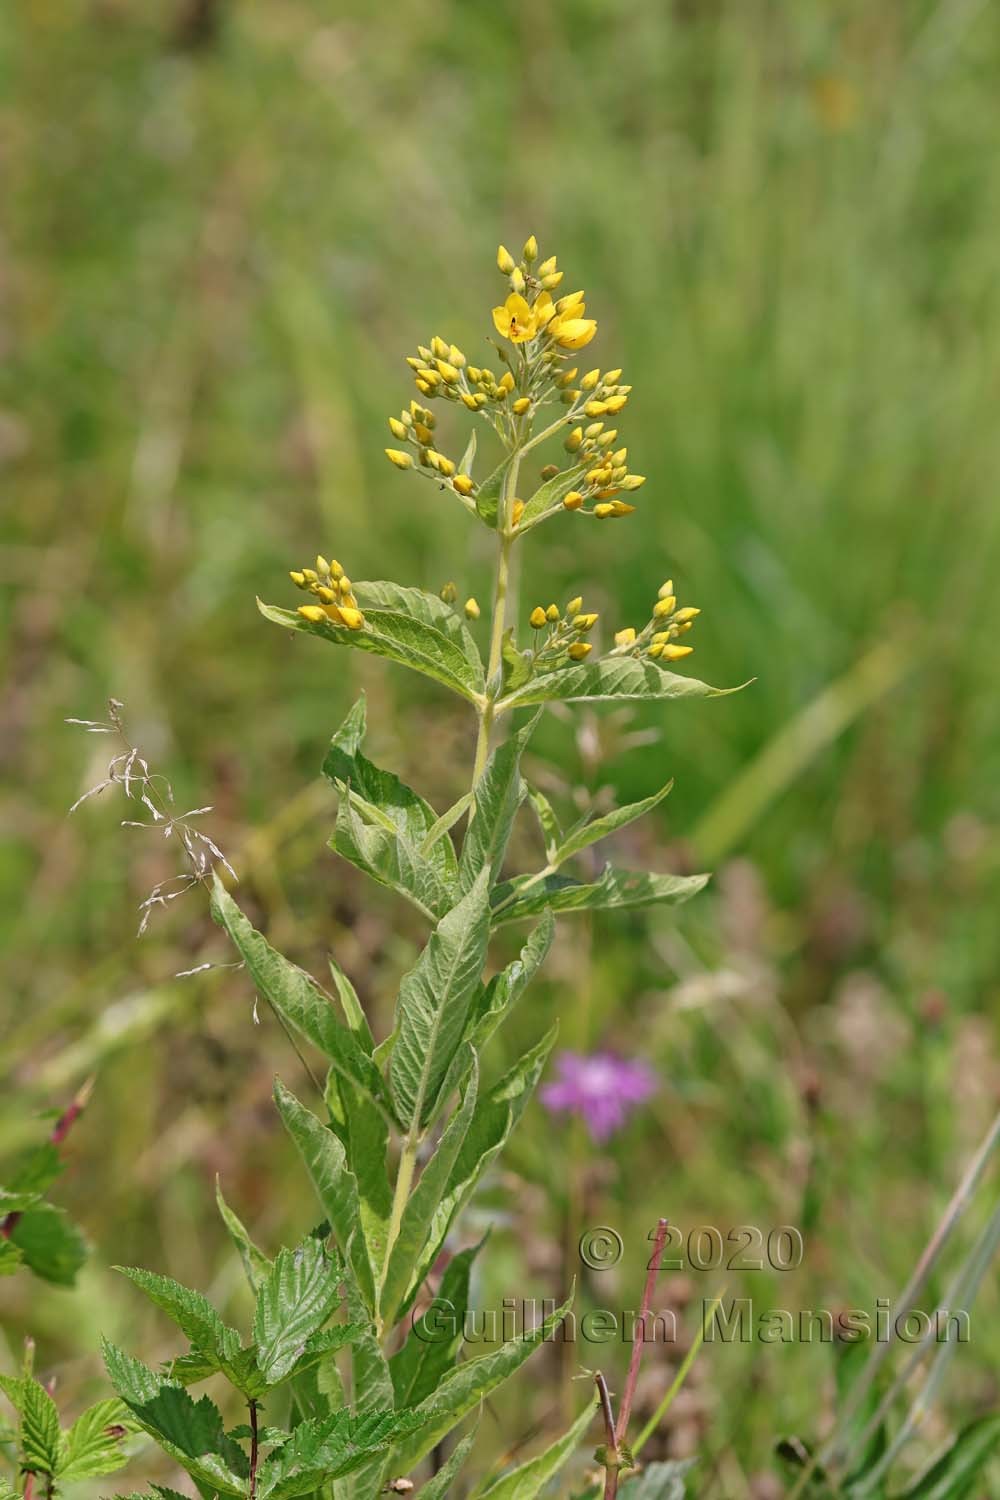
x=434, y=1002
x=50, y=1243
x=325, y=1449
x=194, y=1315
x=400, y=638
x=528, y=1480
x=41, y=1438
x=297, y=1298
x=612, y=678
x=527, y=895
x=93, y=1445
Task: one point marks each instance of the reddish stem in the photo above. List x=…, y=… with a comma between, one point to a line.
x=254, y=1449
x=58, y=1134
x=610, y=1442
x=631, y=1380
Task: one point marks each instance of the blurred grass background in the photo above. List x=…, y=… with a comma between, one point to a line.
x=224, y=227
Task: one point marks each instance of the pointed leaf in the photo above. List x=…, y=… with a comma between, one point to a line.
x=547, y=821
x=439, y=1487
x=255, y=1262
x=497, y=798
x=615, y=889
x=194, y=1315
x=398, y=637
x=41, y=1438
x=366, y=1140
x=434, y=1001
x=297, y=1298
x=354, y=1013
x=335, y=1184
x=599, y=828
x=319, y=1451
x=487, y=496
x=372, y=1385
x=547, y=499
x=528, y=1480
x=954, y=1475
x=612, y=678
x=430, y=609
x=93, y=1444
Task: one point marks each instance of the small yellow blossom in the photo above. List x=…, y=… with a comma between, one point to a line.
x=579, y=650
x=573, y=500
x=514, y=320
x=472, y=610
x=537, y=617
x=463, y=484
x=625, y=637
x=573, y=333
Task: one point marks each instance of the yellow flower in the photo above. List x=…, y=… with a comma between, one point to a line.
x=579, y=650
x=514, y=320
x=625, y=637
x=573, y=333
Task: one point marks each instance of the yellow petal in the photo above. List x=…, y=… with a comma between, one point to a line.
x=575, y=333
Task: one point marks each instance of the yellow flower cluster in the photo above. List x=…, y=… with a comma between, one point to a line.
x=331, y=586
x=415, y=427
x=659, y=637
x=564, y=631
x=605, y=472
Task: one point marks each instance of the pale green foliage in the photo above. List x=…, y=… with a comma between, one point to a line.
x=88, y=1448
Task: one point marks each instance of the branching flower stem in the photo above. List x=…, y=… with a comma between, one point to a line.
x=502, y=607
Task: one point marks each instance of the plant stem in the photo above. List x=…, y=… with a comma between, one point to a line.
x=254, y=1449
x=611, y=1464
x=625, y=1410
x=400, y=1197
x=501, y=593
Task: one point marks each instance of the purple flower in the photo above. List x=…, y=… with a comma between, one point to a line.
x=601, y=1088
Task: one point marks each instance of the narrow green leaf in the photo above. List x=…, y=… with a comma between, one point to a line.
x=297, y=1298
x=335, y=1185
x=517, y=665
x=319, y=1451
x=487, y=496
x=93, y=1445
x=434, y=1001
x=468, y=1384
x=424, y=1200
x=447, y=821
x=497, y=798
x=435, y=1338
x=194, y=1315
x=440, y=1486
x=296, y=997
x=528, y=895
x=429, y=609
x=41, y=1438
x=548, y=497
x=469, y=456
x=598, y=828
x=528, y=1480
x=366, y=1139
x=50, y=1243
x=547, y=821
x=612, y=678
x=954, y=1475
x=255, y=1262
x=354, y=1013
x=398, y=637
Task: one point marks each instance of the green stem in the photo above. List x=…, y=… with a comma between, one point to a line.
x=400, y=1198
x=501, y=596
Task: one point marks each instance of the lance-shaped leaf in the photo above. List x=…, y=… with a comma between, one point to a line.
x=255, y=1263
x=194, y=1315
x=297, y=1298
x=424, y=1200
x=614, y=890
x=430, y=609
x=93, y=1445
x=191, y=1432
x=528, y=1480
x=435, y=1338
x=439, y=1487
x=955, y=1474
x=613, y=678
x=497, y=797
x=547, y=499
x=495, y=1116
x=365, y=1135
x=488, y=494
x=41, y=1438
x=296, y=997
x=325, y=1449
x=354, y=1013
x=335, y=1185
x=372, y=1384
x=398, y=637
x=434, y=1003
x=383, y=826
x=467, y=1385
x=588, y=833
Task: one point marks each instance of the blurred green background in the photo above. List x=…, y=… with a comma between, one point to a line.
x=224, y=226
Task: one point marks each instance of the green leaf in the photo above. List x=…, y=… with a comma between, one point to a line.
x=297, y=1298
x=194, y=1315
x=598, y=828
x=50, y=1243
x=335, y=1184
x=613, y=678
x=255, y=1262
x=372, y=1385
x=398, y=637
x=440, y=1486
x=383, y=826
x=423, y=1202
x=547, y=821
x=93, y=1445
x=41, y=1438
x=614, y=890
x=487, y=496
x=321, y=1450
x=366, y=1140
x=36, y=1170
x=497, y=798
x=434, y=1002
x=190, y=1432
x=469, y=456
x=354, y=1013
x=435, y=1339
x=549, y=497
x=296, y=997
x=528, y=1479
x=429, y=609
x=16, y=1203
x=10, y=1258
x=955, y=1473
x=517, y=665
x=466, y=1386
x=662, y=1481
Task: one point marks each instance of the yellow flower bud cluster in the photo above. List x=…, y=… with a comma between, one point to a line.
x=442, y=370
x=415, y=427
x=605, y=473
x=334, y=592
x=564, y=632
x=659, y=638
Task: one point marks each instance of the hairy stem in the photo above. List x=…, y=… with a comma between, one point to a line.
x=501, y=599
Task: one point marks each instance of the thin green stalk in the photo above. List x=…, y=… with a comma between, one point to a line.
x=501, y=598
x=400, y=1198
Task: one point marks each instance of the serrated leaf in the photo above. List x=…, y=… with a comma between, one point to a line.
x=424, y=1200
x=296, y=997
x=93, y=1445
x=12, y=1387
x=296, y=1299
x=319, y=1451
x=50, y=1243
x=398, y=637
x=955, y=1473
x=528, y=895
x=468, y=1384
x=255, y=1262
x=365, y=1136
x=372, y=1385
x=189, y=1431
x=434, y=1002
x=435, y=1338
x=589, y=833
x=661, y=1481
x=614, y=678
x=194, y=1315
x=496, y=800
x=488, y=494
x=528, y=1479
x=335, y=1185
x=383, y=826
x=41, y=1438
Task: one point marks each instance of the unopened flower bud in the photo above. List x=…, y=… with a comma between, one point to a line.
x=536, y=619
x=573, y=500
x=505, y=261
x=472, y=610
x=530, y=251
x=521, y=405
x=590, y=380
x=575, y=605
x=312, y=613
x=552, y=613
x=625, y=637
x=688, y=613
x=517, y=280
x=463, y=484
x=549, y=471
x=352, y=618
x=401, y=460
x=516, y=512
x=449, y=593
x=579, y=650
